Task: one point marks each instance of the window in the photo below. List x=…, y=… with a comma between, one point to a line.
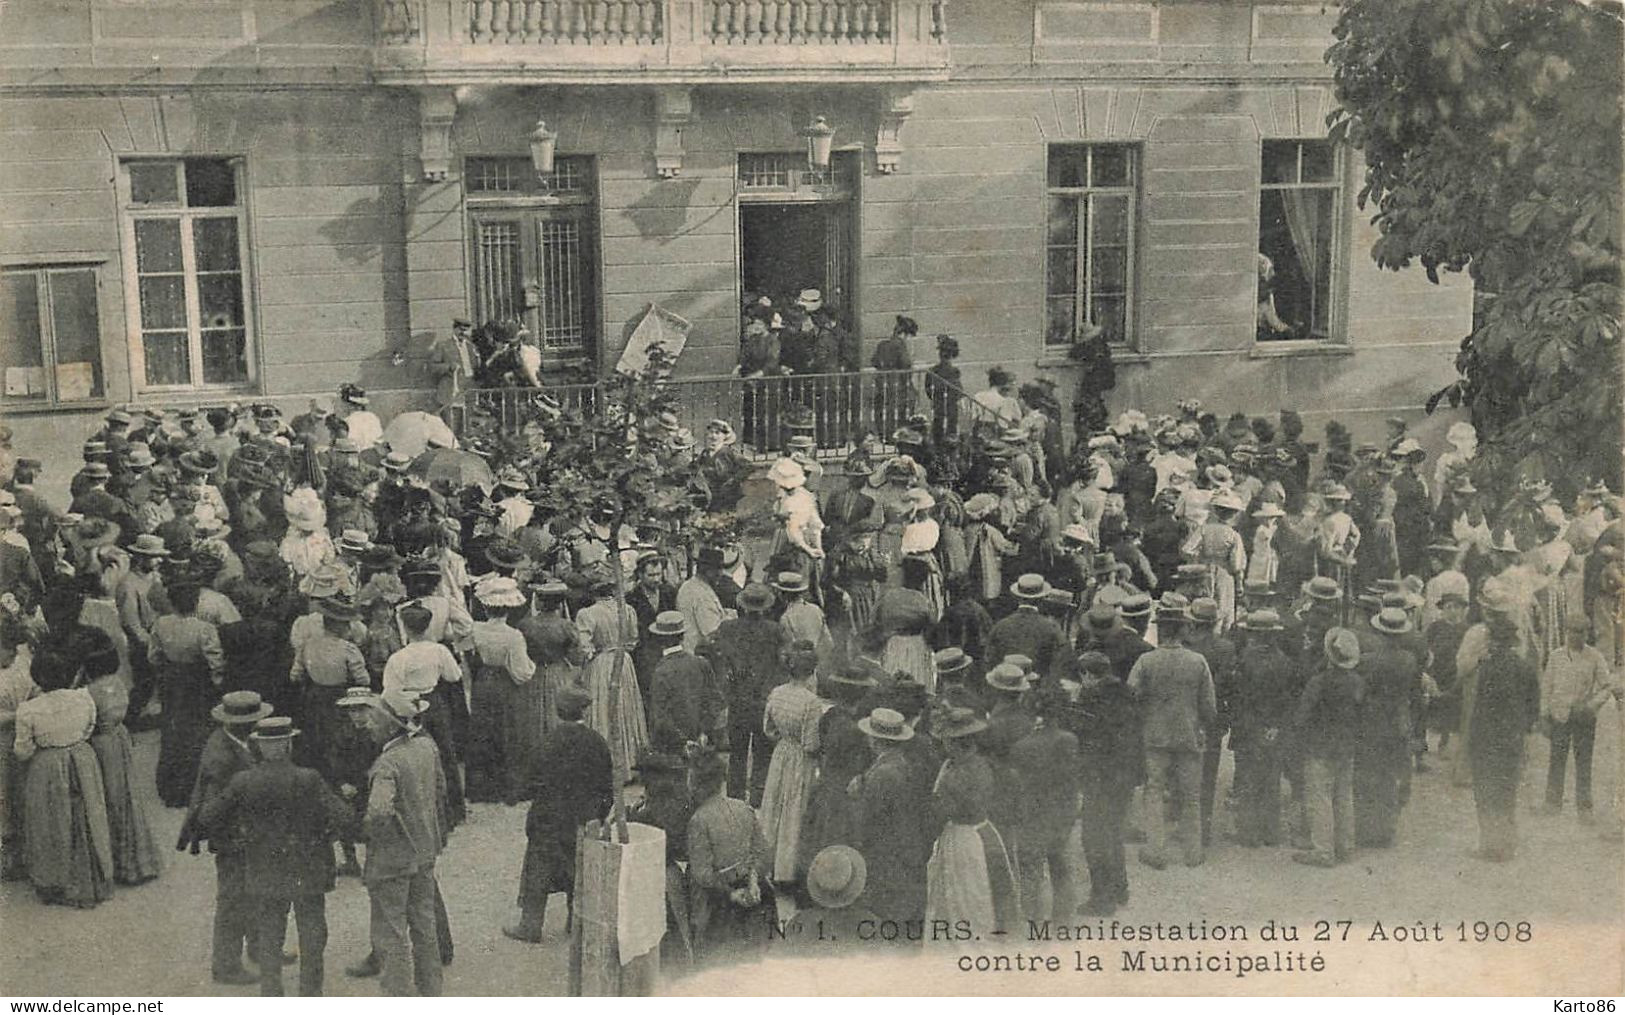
x=50, y=335
x=1089, y=245
x=1299, y=215
x=185, y=237
x=534, y=254
x=786, y=176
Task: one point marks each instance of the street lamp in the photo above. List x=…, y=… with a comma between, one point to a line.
x=543, y=144
x=820, y=136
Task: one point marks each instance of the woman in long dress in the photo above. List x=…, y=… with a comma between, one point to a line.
x=843, y=755
x=606, y=634
x=505, y=717
x=969, y=876
x=135, y=857
x=185, y=654
x=553, y=646
x=904, y=617
x=65, y=831
x=791, y=722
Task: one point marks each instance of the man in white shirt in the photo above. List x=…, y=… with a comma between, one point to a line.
x=1574, y=686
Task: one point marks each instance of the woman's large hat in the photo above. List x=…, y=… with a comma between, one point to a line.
x=787, y=474
x=499, y=591
x=836, y=877
x=239, y=708
x=886, y=724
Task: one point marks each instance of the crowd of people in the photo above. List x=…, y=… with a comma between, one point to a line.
x=961, y=645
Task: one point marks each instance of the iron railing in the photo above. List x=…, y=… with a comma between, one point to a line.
x=837, y=410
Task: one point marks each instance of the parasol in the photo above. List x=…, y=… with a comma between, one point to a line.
x=458, y=468
x=409, y=433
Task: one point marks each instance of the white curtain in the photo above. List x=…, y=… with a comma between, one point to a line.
x=1304, y=220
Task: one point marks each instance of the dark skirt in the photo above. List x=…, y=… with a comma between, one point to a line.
x=525, y=716
x=484, y=756
x=135, y=857
x=327, y=740
x=188, y=697
x=70, y=856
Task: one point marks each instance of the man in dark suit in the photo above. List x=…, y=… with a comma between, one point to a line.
x=226, y=753
x=891, y=823
x=572, y=785
x=1110, y=635
x=1030, y=633
x=746, y=653
x=1106, y=721
x=649, y=597
x=685, y=697
x=289, y=818
x=1203, y=638
x=1048, y=762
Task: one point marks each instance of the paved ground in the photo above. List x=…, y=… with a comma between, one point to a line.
x=153, y=940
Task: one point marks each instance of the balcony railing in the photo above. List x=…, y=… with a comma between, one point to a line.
x=451, y=41
x=836, y=409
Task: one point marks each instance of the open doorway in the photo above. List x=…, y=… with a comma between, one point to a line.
x=782, y=248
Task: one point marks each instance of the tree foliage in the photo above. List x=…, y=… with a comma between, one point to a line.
x=1492, y=139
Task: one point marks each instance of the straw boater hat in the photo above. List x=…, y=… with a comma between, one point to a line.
x=790, y=582
x=276, y=727
x=1269, y=509
x=1226, y=500
x=397, y=461
x=886, y=724
x=1204, y=610
x=1030, y=587
x=852, y=677
x=787, y=475
x=139, y=456
x=1137, y=605
x=1006, y=677
x=148, y=545
x=354, y=541
x=1261, y=620
x=951, y=660
x=1337, y=492
x=238, y=708
x=1323, y=588
x=837, y=875
x=1074, y=533
x=668, y=624
x=1391, y=620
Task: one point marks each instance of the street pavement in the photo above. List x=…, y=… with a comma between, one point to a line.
x=1566, y=881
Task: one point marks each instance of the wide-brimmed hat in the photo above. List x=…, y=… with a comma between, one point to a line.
x=852, y=677
x=1337, y=491
x=790, y=582
x=119, y=416
x=139, y=456
x=199, y=463
x=1204, y=609
x=498, y=591
x=337, y=608
x=983, y=504
x=1172, y=606
x=356, y=695
x=755, y=597
x=238, y=708
x=1269, y=509
x=958, y=722
x=96, y=470
x=836, y=877
x=668, y=624
x=513, y=479
x=787, y=474
x=1136, y=605
x=1393, y=620
x=951, y=660
x=276, y=727
x=1323, y=588
x=1226, y=500
x=886, y=724
x=505, y=553
x=148, y=545
x=1007, y=677
x=1342, y=648
x=1030, y=586
x=1260, y=620
x=1075, y=533
x=397, y=461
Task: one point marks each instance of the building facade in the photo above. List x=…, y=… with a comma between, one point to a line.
x=205, y=201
